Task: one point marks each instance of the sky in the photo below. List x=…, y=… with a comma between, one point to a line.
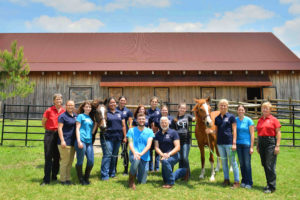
x=281, y=17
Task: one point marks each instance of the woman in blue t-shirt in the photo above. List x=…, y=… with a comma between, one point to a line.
x=244, y=145
x=85, y=126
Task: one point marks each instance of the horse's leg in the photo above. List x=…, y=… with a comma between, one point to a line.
x=211, y=159
x=218, y=156
x=201, y=146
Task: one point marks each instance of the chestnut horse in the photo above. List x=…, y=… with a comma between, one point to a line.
x=206, y=119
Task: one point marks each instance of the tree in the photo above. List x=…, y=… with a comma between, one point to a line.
x=14, y=71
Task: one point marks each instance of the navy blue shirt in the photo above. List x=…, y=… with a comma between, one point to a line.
x=114, y=129
x=69, y=128
x=182, y=127
x=157, y=120
x=166, y=141
x=153, y=114
x=126, y=114
x=225, y=128
x=134, y=122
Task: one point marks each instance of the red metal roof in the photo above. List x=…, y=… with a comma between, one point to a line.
x=152, y=51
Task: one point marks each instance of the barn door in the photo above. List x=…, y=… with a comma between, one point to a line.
x=208, y=92
x=115, y=92
x=162, y=94
x=269, y=93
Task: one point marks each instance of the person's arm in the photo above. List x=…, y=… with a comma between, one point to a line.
x=157, y=149
x=95, y=128
x=234, y=136
x=251, y=128
x=278, y=137
x=124, y=130
x=130, y=122
x=80, y=145
x=61, y=135
x=148, y=146
x=176, y=148
x=44, y=120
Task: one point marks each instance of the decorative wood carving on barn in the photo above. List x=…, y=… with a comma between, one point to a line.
x=162, y=94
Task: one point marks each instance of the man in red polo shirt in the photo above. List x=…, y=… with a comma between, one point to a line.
x=50, y=123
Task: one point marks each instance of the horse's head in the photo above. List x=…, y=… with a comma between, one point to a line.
x=100, y=114
x=202, y=111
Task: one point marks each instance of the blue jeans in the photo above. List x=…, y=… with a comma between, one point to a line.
x=156, y=164
x=140, y=167
x=243, y=151
x=110, y=149
x=167, y=170
x=226, y=152
x=86, y=150
x=184, y=156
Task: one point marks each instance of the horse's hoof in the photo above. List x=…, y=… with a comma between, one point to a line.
x=212, y=179
x=201, y=176
x=217, y=170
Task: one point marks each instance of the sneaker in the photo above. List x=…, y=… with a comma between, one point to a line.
x=268, y=191
x=243, y=185
x=248, y=186
x=235, y=185
x=226, y=182
x=63, y=182
x=68, y=183
x=44, y=183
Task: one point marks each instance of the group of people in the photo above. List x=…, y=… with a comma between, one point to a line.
x=149, y=130
x=236, y=134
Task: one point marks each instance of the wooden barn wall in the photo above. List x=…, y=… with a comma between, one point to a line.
x=142, y=95
x=287, y=84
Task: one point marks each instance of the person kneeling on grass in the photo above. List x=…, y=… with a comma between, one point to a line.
x=167, y=145
x=140, y=140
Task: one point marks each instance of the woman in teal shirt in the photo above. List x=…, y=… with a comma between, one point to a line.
x=244, y=145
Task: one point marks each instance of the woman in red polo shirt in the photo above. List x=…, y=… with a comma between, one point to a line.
x=50, y=123
x=269, y=135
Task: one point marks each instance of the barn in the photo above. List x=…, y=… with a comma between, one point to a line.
x=176, y=67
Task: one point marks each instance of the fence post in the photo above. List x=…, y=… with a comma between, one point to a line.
x=293, y=126
x=3, y=119
x=27, y=118
x=255, y=109
x=290, y=109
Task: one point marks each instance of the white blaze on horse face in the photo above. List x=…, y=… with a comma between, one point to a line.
x=208, y=121
x=102, y=111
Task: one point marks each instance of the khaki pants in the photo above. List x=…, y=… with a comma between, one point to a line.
x=66, y=160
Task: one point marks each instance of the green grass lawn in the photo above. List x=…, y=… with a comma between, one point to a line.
x=21, y=171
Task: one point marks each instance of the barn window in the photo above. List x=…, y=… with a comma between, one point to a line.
x=80, y=93
x=162, y=93
x=208, y=92
x=115, y=92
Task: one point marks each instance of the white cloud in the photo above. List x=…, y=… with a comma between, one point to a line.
x=64, y=24
x=233, y=20
x=295, y=6
x=229, y=21
x=166, y=26
x=123, y=4
x=70, y=6
x=289, y=33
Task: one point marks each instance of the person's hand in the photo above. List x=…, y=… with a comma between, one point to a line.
x=276, y=151
x=251, y=151
x=208, y=131
x=233, y=147
x=124, y=140
x=80, y=145
x=63, y=144
x=137, y=156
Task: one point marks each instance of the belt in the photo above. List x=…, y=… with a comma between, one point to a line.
x=52, y=131
x=266, y=137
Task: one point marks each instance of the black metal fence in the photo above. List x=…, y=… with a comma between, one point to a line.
x=23, y=122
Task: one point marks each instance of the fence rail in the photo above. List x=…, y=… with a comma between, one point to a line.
x=29, y=116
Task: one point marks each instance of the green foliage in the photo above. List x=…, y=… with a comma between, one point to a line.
x=14, y=71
